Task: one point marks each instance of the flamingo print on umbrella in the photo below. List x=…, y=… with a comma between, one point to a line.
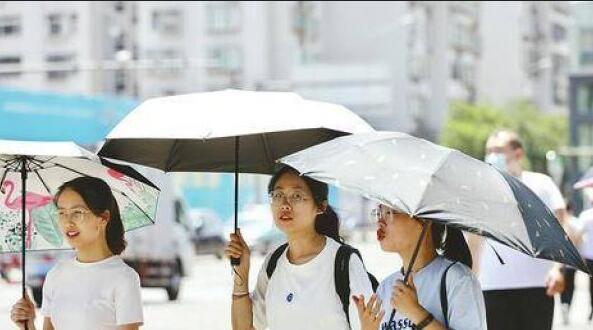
x=121, y=177
x=32, y=201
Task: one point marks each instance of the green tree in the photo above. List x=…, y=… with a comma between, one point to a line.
x=468, y=126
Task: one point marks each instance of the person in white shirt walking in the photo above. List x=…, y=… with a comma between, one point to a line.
x=583, y=229
x=96, y=290
x=296, y=287
x=442, y=293
x=519, y=294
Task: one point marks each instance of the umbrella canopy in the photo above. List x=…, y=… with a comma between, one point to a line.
x=226, y=131
x=47, y=165
x=432, y=182
x=196, y=132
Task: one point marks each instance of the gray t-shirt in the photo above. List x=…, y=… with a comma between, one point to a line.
x=466, y=302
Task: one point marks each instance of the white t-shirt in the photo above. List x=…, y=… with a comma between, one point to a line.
x=519, y=270
x=585, y=226
x=304, y=296
x=92, y=296
x=465, y=299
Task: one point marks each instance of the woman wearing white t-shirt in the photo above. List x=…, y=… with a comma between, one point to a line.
x=301, y=294
x=96, y=290
x=418, y=305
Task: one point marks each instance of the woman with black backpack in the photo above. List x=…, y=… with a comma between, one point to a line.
x=441, y=291
x=306, y=283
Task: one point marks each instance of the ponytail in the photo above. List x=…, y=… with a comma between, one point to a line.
x=328, y=224
x=451, y=243
x=115, y=230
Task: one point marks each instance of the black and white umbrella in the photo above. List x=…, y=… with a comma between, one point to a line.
x=226, y=131
x=440, y=184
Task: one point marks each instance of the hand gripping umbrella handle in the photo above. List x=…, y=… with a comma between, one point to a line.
x=412, y=261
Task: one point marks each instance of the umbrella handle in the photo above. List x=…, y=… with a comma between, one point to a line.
x=236, y=261
x=23, y=226
x=411, y=263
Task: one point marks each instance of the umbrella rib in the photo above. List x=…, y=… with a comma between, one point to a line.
x=135, y=204
x=438, y=168
x=42, y=181
x=267, y=152
x=3, y=177
x=169, y=158
x=11, y=162
x=40, y=163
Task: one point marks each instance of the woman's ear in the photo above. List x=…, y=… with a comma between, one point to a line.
x=105, y=217
x=322, y=208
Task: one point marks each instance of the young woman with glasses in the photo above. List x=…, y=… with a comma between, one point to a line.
x=442, y=292
x=96, y=290
x=301, y=293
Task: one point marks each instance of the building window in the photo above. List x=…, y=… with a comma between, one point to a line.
x=558, y=33
x=119, y=6
x=10, y=26
x=60, y=66
x=585, y=99
x=585, y=132
x=223, y=16
x=61, y=24
x=586, y=46
x=168, y=62
x=560, y=82
x=226, y=59
x=56, y=26
x=120, y=82
x=167, y=21
x=9, y=66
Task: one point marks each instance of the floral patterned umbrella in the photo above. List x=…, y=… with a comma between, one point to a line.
x=28, y=217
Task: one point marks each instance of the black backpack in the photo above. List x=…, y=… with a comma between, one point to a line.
x=341, y=272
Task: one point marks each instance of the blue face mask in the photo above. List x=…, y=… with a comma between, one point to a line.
x=497, y=160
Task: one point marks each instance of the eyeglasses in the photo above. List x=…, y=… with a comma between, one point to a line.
x=383, y=213
x=295, y=198
x=76, y=215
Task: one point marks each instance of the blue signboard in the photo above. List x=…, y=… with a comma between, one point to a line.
x=46, y=116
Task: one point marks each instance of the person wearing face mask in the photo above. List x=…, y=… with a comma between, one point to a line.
x=518, y=290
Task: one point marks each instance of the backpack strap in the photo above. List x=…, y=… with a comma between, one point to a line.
x=342, y=276
x=274, y=259
x=444, y=300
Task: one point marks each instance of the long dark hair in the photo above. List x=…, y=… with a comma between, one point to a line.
x=326, y=223
x=451, y=243
x=99, y=198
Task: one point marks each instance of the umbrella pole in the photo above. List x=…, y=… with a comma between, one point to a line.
x=412, y=261
x=236, y=261
x=23, y=225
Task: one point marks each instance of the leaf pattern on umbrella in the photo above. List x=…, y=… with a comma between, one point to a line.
x=46, y=224
x=133, y=217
